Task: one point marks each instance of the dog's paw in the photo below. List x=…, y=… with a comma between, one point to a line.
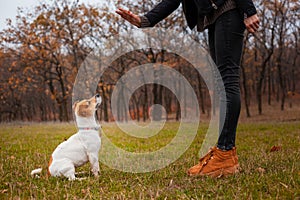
x=96, y=174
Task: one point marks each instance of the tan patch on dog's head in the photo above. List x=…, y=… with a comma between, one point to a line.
x=85, y=108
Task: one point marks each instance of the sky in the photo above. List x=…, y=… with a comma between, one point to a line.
x=8, y=8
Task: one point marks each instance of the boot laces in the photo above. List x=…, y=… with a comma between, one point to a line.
x=204, y=160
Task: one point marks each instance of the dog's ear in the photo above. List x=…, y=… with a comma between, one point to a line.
x=74, y=105
x=84, y=111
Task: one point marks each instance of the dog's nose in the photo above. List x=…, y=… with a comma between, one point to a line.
x=97, y=95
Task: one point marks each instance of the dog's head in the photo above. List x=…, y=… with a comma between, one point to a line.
x=87, y=107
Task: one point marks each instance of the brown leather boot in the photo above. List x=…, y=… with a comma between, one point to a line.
x=216, y=163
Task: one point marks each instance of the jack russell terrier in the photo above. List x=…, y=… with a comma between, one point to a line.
x=81, y=147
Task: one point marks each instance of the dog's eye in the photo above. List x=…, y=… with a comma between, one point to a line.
x=88, y=102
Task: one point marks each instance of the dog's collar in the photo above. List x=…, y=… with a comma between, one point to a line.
x=89, y=128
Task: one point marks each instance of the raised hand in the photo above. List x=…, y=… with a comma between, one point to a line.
x=130, y=17
x=252, y=23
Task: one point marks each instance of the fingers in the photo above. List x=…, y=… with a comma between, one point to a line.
x=254, y=26
x=129, y=16
x=123, y=12
x=252, y=23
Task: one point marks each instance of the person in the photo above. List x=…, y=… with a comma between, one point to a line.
x=226, y=26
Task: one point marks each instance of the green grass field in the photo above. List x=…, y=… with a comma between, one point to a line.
x=264, y=175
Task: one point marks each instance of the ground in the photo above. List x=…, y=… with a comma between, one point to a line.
x=264, y=174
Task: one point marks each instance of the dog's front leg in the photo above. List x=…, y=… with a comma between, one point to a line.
x=93, y=159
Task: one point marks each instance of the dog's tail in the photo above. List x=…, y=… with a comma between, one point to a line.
x=36, y=172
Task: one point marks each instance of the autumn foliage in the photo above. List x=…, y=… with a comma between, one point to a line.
x=41, y=53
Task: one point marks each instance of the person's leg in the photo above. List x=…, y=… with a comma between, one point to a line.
x=211, y=41
x=228, y=45
x=226, y=42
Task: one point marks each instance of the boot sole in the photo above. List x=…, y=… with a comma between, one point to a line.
x=223, y=172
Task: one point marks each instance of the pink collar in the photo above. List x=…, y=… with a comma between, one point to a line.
x=89, y=128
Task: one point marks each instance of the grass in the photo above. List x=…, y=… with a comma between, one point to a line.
x=264, y=175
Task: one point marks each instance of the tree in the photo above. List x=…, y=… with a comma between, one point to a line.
x=53, y=40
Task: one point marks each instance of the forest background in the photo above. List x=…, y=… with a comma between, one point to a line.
x=43, y=49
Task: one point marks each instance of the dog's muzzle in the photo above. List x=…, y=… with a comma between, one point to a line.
x=98, y=100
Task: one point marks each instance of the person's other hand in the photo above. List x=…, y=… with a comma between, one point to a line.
x=252, y=23
x=130, y=17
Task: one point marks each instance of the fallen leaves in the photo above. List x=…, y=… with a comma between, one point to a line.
x=4, y=191
x=261, y=170
x=284, y=185
x=275, y=148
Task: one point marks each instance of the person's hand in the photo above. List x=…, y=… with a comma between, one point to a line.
x=252, y=23
x=130, y=17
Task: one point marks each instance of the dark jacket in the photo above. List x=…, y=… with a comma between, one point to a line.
x=166, y=7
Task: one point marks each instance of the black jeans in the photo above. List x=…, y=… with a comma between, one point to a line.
x=226, y=44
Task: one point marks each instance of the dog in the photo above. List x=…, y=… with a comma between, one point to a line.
x=81, y=147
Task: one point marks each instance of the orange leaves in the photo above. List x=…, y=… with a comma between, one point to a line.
x=14, y=63
x=27, y=69
x=29, y=79
x=113, y=30
x=275, y=148
x=13, y=82
x=53, y=96
x=94, y=12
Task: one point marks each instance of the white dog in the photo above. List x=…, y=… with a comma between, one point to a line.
x=81, y=147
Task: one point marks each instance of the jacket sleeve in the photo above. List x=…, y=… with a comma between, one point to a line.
x=247, y=7
x=161, y=11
